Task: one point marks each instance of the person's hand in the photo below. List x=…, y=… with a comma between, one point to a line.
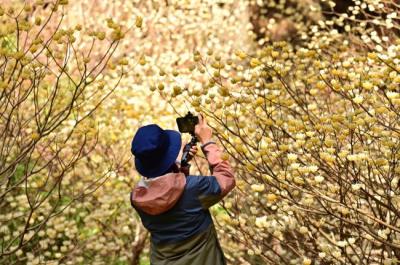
x=193, y=151
x=202, y=131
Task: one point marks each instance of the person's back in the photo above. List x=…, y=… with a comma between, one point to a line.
x=174, y=207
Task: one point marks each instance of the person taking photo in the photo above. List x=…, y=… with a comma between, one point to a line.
x=174, y=206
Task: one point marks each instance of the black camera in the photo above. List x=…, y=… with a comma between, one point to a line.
x=186, y=124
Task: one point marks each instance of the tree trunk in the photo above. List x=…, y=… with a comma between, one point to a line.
x=138, y=246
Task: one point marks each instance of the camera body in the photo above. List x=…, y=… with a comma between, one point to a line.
x=186, y=124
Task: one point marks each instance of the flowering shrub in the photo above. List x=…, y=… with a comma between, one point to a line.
x=49, y=93
x=303, y=95
x=314, y=133
x=86, y=218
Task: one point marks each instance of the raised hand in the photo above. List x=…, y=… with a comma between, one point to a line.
x=202, y=131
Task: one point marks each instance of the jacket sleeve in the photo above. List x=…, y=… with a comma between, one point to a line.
x=213, y=188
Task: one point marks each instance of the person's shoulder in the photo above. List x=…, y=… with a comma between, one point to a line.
x=193, y=181
x=204, y=187
x=196, y=182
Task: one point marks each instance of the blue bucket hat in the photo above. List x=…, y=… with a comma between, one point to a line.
x=155, y=150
